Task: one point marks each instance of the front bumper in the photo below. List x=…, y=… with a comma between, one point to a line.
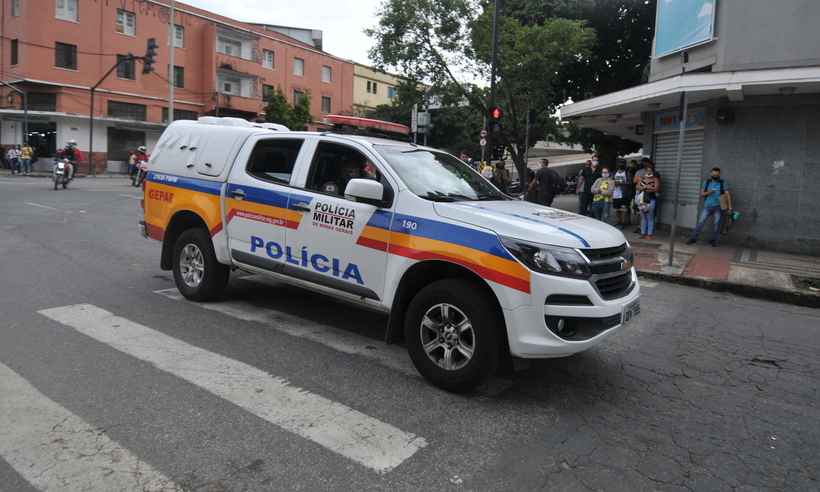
x=527, y=330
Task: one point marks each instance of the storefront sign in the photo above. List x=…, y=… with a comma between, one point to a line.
x=669, y=120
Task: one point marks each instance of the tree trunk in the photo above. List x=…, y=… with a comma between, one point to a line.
x=520, y=166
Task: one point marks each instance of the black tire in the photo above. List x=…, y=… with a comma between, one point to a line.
x=215, y=276
x=55, y=184
x=476, y=304
x=65, y=183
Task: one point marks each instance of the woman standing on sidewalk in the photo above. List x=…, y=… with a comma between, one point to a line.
x=646, y=199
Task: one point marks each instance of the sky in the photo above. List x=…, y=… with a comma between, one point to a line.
x=341, y=21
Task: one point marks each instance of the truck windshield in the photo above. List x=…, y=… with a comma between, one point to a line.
x=438, y=176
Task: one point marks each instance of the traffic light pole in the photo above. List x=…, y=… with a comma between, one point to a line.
x=91, y=168
x=496, y=8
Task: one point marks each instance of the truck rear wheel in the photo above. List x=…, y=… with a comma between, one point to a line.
x=451, y=330
x=198, y=274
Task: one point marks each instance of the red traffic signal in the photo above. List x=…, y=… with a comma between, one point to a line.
x=496, y=113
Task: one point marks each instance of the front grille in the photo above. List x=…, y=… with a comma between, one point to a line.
x=568, y=300
x=614, y=287
x=579, y=329
x=604, y=253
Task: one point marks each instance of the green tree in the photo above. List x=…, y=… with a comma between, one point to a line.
x=618, y=60
x=433, y=40
x=279, y=110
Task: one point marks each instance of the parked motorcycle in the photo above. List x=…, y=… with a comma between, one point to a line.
x=139, y=175
x=62, y=173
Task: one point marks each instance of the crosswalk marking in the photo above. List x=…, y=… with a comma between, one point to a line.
x=391, y=356
x=53, y=449
x=348, y=432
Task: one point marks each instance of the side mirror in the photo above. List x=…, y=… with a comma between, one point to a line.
x=365, y=191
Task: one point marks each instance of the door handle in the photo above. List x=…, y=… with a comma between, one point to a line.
x=300, y=206
x=238, y=194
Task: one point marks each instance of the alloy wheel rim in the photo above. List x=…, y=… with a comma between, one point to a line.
x=447, y=336
x=191, y=265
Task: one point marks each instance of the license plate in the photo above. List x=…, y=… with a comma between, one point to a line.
x=631, y=311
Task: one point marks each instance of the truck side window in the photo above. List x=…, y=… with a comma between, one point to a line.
x=274, y=159
x=334, y=165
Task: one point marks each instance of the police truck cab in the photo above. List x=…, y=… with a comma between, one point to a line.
x=469, y=276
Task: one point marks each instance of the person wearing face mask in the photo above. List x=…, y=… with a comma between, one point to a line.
x=713, y=190
x=602, y=190
x=621, y=197
x=646, y=198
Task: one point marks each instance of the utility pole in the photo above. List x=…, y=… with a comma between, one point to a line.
x=682, y=114
x=172, y=79
x=522, y=179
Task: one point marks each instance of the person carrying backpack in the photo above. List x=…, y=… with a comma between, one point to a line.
x=713, y=190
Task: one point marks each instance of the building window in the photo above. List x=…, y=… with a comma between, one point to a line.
x=42, y=101
x=66, y=10
x=327, y=74
x=326, y=104
x=375, y=88
x=15, y=8
x=371, y=87
x=391, y=92
x=229, y=47
x=267, y=92
x=179, y=77
x=65, y=56
x=179, y=36
x=127, y=111
x=298, y=67
x=267, y=59
x=15, y=52
x=180, y=114
x=125, y=69
x=231, y=86
x=126, y=22
x=297, y=96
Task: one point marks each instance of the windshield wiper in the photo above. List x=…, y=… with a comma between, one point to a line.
x=437, y=197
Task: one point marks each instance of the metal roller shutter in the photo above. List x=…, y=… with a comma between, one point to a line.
x=666, y=154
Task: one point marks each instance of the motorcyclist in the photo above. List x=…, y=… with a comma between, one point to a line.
x=72, y=154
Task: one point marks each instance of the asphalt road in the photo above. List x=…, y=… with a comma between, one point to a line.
x=706, y=391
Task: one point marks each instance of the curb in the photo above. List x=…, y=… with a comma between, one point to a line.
x=751, y=291
x=101, y=176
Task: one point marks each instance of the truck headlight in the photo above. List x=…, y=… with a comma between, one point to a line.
x=552, y=260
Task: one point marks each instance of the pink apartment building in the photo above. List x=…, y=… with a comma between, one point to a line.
x=55, y=50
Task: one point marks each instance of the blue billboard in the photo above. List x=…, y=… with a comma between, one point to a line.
x=681, y=24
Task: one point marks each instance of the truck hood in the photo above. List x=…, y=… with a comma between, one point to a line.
x=535, y=223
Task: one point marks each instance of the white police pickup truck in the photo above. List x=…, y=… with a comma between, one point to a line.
x=468, y=275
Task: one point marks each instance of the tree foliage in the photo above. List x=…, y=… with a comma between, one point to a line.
x=432, y=40
x=549, y=50
x=279, y=110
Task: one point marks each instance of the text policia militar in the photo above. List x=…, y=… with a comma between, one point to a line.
x=315, y=261
x=335, y=217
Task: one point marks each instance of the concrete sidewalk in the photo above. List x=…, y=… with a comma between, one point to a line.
x=44, y=174
x=741, y=270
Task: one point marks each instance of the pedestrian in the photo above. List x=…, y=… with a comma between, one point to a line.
x=547, y=184
x=646, y=199
x=602, y=191
x=532, y=192
x=587, y=178
x=713, y=192
x=26, y=153
x=13, y=158
x=621, y=196
x=646, y=163
x=465, y=157
x=132, y=163
x=501, y=176
x=486, y=171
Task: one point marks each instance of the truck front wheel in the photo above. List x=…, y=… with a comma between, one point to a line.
x=451, y=330
x=198, y=274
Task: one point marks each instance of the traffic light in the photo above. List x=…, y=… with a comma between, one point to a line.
x=150, y=56
x=494, y=116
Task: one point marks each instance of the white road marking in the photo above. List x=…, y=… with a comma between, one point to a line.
x=390, y=356
x=341, y=429
x=41, y=206
x=135, y=197
x=53, y=449
x=649, y=284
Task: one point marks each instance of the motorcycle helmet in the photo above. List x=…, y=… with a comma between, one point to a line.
x=142, y=148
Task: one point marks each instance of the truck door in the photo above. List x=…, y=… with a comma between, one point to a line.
x=256, y=201
x=326, y=249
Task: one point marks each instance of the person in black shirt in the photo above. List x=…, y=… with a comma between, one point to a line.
x=547, y=183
